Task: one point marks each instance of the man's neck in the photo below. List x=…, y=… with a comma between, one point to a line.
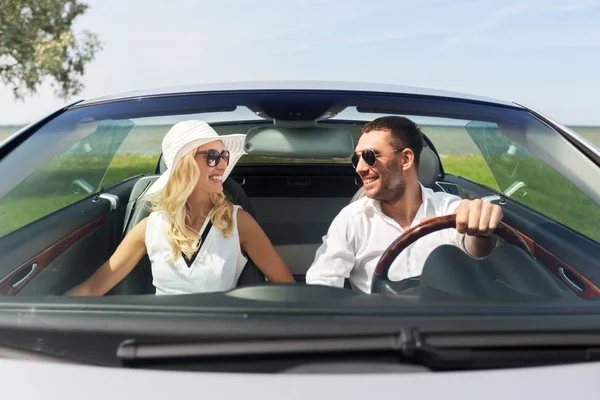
x=404, y=210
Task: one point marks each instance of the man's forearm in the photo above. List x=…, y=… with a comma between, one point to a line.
x=479, y=246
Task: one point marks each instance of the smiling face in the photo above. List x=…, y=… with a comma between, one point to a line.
x=211, y=177
x=385, y=180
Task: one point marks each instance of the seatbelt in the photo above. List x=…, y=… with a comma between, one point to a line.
x=202, y=240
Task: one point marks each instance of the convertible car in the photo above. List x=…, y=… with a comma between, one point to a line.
x=73, y=185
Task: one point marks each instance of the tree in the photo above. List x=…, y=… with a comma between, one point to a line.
x=37, y=43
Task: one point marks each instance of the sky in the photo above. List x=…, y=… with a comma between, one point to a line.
x=542, y=53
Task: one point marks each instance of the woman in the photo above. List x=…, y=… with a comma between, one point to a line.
x=186, y=255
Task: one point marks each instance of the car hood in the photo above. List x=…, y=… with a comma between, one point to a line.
x=34, y=380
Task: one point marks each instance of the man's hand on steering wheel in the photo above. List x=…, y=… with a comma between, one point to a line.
x=477, y=217
x=478, y=220
x=381, y=283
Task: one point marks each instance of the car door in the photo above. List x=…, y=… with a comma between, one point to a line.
x=558, y=220
x=57, y=224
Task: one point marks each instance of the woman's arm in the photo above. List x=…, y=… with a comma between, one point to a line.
x=118, y=266
x=257, y=245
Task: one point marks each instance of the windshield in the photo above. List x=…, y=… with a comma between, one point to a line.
x=296, y=217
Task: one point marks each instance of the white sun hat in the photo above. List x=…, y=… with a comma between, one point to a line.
x=184, y=137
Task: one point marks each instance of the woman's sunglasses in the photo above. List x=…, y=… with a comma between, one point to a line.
x=369, y=156
x=213, y=157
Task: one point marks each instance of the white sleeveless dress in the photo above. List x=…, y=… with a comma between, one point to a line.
x=216, y=268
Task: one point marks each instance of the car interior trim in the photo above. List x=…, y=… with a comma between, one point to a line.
x=36, y=264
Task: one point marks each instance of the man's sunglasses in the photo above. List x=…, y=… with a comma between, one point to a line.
x=369, y=156
x=213, y=157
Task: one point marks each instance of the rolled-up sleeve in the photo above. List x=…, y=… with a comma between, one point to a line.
x=335, y=258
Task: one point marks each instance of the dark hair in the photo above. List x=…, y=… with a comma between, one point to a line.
x=405, y=133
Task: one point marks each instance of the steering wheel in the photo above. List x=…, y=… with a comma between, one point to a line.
x=381, y=279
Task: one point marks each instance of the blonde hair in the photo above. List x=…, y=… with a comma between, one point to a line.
x=172, y=200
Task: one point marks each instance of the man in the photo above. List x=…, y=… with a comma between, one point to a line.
x=386, y=159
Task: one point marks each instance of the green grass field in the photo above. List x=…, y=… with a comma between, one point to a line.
x=44, y=193
x=23, y=206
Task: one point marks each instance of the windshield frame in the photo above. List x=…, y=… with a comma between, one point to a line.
x=192, y=103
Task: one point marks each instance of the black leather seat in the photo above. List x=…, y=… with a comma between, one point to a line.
x=139, y=281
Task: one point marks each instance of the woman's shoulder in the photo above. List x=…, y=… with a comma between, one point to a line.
x=155, y=220
x=138, y=232
x=240, y=214
x=245, y=221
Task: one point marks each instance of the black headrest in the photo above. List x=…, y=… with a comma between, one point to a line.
x=429, y=167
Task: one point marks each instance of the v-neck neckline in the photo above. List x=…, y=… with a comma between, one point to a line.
x=205, y=230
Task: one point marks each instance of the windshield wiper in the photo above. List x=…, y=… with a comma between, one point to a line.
x=435, y=351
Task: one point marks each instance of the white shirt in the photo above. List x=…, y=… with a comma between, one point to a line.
x=216, y=268
x=360, y=234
